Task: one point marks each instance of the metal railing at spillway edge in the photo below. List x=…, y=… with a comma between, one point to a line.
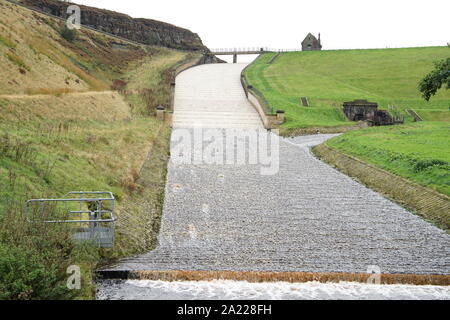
x=93, y=214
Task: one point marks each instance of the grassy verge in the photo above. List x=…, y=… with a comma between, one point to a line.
x=49, y=147
x=328, y=78
x=409, y=164
x=46, y=159
x=417, y=151
x=431, y=205
x=149, y=84
x=69, y=132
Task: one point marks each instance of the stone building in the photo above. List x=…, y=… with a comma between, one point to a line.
x=311, y=43
x=362, y=110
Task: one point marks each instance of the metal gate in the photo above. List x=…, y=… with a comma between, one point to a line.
x=91, y=214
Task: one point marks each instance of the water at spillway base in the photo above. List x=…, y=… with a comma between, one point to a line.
x=242, y=290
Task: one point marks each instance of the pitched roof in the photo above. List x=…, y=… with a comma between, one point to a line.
x=310, y=37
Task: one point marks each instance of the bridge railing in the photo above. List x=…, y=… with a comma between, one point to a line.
x=236, y=50
x=253, y=49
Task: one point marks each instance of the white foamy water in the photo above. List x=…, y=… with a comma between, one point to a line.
x=242, y=290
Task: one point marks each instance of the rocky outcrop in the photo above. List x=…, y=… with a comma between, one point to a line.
x=210, y=58
x=144, y=31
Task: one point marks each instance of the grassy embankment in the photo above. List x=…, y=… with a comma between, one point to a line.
x=62, y=129
x=418, y=152
x=329, y=78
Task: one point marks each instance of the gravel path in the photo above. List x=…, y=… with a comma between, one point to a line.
x=307, y=217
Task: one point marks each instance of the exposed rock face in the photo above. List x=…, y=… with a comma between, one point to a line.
x=144, y=31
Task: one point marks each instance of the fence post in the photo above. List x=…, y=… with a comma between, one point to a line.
x=160, y=110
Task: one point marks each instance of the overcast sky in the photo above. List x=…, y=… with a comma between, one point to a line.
x=284, y=23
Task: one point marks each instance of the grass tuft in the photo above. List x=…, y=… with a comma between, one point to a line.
x=14, y=58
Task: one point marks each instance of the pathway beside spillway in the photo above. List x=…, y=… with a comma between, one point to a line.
x=307, y=217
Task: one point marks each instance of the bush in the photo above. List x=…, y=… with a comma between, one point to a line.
x=424, y=164
x=34, y=258
x=69, y=34
x=119, y=85
x=24, y=274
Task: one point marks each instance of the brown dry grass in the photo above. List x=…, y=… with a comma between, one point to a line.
x=101, y=106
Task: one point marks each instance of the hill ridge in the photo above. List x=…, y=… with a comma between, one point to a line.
x=139, y=30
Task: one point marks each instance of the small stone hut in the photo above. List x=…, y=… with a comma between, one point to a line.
x=362, y=110
x=311, y=43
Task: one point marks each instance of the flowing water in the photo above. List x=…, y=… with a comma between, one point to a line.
x=238, y=290
x=306, y=216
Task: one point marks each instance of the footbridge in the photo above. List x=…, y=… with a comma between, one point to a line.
x=245, y=51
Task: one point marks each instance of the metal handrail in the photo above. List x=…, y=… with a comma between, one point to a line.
x=92, y=227
x=81, y=200
x=219, y=51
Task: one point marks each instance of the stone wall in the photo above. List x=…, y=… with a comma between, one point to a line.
x=359, y=110
x=362, y=110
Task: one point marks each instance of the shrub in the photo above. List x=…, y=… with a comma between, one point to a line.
x=34, y=258
x=24, y=275
x=118, y=85
x=69, y=34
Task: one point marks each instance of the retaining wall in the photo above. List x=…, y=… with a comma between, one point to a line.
x=270, y=120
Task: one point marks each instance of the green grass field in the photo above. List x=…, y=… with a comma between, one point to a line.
x=416, y=151
x=329, y=78
x=419, y=151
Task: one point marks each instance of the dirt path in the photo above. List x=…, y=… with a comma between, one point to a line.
x=44, y=96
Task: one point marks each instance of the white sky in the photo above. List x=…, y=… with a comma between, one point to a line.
x=343, y=24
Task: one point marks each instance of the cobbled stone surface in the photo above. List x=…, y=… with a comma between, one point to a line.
x=211, y=96
x=307, y=217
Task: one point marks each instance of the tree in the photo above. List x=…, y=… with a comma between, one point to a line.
x=434, y=80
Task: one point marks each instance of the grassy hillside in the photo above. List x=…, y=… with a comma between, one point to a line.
x=416, y=151
x=34, y=58
x=63, y=129
x=328, y=78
